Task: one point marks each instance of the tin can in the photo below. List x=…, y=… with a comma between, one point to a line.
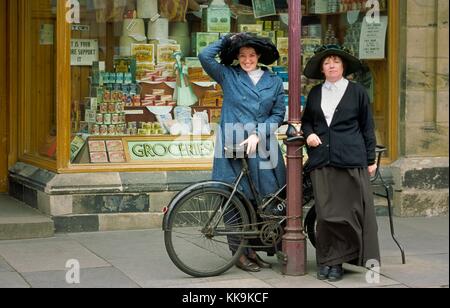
x=121, y=129
x=107, y=96
x=103, y=130
x=111, y=130
x=111, y=107
x=107, y=118
x=103, y=107
x=95, y=130
x=115, y=118
x=114, y=95
x=99, y=118
x=122, y=118
x=120, y=107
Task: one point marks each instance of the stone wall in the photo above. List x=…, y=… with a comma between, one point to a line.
x=426, y=117
x=421, y=174
x=100, y=201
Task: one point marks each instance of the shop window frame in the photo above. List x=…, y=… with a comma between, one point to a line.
x=20, y=99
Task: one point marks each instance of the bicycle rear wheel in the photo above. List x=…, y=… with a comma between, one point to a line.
x=193, y=245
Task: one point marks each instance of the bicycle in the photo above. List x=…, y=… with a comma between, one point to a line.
x=211, y=217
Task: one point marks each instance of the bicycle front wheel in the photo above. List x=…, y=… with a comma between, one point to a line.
x=204, y=235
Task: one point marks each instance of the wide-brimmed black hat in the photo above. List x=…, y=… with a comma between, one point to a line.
x=263, y=46
x=313, y=69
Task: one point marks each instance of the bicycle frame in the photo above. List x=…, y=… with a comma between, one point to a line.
x=253, y=232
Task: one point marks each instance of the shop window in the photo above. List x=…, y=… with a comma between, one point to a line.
x=133, y=100
x=129, y=100
x=36, y=76
x=360, y=27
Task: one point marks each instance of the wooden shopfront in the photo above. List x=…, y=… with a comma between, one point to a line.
x=47, y=88
x=3, y=100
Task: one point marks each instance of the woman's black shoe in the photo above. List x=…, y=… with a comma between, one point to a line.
x=260, y=262
x=247, y=265
x=323, y=272
x=336, y=273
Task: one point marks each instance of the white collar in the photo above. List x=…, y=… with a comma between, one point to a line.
x=340, y=84
x=257, y=71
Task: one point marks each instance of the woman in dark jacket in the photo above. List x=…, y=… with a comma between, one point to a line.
x=253, y=108
x=339, y=131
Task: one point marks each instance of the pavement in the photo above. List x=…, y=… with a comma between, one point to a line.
x=138, y=259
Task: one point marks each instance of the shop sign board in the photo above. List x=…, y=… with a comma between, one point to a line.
x=373, y=39
x=162, y=150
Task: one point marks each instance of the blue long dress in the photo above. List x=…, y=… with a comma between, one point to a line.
x=248, y=108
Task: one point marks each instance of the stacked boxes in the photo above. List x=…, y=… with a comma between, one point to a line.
x=217, y=19
x=201, y=40
x=211, y=98
x=283, y=49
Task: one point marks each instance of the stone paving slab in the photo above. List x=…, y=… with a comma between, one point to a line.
x=420, y=271
x=12, y=280
x=47, y=255
x=306, y=281
x=358, y=277
x=106, y=277
x=4, y=266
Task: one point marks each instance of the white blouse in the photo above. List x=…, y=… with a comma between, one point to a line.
x=256, y=75
x=332, y=94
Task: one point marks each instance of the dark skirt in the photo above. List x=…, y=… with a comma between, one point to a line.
x=346, y=223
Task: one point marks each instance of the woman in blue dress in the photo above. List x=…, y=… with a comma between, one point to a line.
x=253, y=108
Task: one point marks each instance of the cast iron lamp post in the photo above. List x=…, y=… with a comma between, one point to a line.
x=294, y=241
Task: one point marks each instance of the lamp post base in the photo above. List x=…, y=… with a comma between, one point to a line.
x=294, y=248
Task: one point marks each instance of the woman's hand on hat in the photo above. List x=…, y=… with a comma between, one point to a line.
x=252, y=143
x=237, y=36
x=234, y=37
x=313, y=141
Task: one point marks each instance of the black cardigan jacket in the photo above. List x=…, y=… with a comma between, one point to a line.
x=350, y=141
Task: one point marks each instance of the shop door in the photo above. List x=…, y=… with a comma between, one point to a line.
x=3, y=102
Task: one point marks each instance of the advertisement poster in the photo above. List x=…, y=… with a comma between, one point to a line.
x=83, y=52
x=372, y=43
x=46, y=34
x=262, y=8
